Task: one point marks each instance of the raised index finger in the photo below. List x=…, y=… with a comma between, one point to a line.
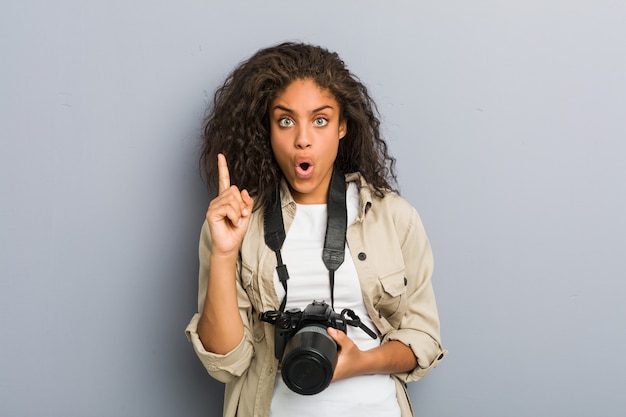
x=222, y=173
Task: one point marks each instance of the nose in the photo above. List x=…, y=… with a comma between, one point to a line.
x=303, y=137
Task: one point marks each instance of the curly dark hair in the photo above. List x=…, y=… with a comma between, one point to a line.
x=238, y=126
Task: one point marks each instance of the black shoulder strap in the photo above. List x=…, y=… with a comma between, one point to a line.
x=334, y=242
x=336, y=226
x=274, y=232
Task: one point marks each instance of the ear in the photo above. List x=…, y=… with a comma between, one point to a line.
x=343, y=129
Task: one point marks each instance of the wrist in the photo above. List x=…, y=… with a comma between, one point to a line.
x=367, y=363
x=223, y=256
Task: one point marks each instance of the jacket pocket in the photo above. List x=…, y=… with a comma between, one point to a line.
x=248, y=282
x=393, y=300
x=250, y=285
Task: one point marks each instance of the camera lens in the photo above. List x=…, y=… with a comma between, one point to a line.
x=309, y=360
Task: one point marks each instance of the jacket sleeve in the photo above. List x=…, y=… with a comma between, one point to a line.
x=233, y=364
x=419, y=327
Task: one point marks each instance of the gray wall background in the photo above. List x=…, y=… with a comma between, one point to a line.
x=508, y=122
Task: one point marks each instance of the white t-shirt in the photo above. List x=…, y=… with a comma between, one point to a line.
x=365, y=395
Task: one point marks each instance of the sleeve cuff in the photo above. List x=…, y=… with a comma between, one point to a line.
x=224, y=367
x=427, y=351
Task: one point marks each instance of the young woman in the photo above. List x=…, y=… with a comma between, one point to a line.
x=292, y=132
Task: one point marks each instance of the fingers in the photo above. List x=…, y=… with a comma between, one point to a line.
x=222, y=173
x=230, y=210
x=347, y=350
x=231, y=204
x=339, y=336
x=224, y=184
x=248, y=203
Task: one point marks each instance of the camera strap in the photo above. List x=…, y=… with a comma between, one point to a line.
x=334, y=241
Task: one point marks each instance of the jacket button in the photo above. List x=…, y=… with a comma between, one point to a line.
x=406, y=281
x=362, y=256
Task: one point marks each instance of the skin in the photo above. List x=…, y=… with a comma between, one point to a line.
x=220, y=327
x=305, y=129
x=305, y=134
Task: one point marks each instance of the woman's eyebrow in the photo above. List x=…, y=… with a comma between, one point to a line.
x=288, y=110
x=327, y=106
x=283, y=108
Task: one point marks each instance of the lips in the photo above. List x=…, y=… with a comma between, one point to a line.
x=304, y=167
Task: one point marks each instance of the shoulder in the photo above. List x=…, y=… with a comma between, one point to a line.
x=395, y=203
x=386, y=202
x=398, y=211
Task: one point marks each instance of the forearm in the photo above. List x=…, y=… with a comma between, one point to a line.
x=388, y=358
x=220, y=327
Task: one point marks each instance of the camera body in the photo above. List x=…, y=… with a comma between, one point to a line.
x=307, y=353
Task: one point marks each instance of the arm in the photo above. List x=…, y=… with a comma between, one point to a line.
x=419, y=327
x=389, y=358
x=398, y=296
x=220, y=327
x=223, y=367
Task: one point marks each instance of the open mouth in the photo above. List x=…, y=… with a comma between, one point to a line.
x=304, y=169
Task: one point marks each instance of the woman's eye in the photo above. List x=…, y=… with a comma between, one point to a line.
x=285, y=122
x=320, y=122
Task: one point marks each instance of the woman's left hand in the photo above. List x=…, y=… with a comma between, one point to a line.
x=350, y=356
x=389, y=358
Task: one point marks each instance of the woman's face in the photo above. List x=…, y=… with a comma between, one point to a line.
x=305, y=132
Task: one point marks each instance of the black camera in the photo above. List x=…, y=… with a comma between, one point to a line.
x=307, y=353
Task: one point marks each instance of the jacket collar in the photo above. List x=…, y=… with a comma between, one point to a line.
x=365, y=193
x=286, y=199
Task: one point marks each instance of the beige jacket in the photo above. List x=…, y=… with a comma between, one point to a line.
x=394, y=262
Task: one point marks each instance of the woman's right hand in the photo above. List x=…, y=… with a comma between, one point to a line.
x=220, y=327
x=228, y=214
